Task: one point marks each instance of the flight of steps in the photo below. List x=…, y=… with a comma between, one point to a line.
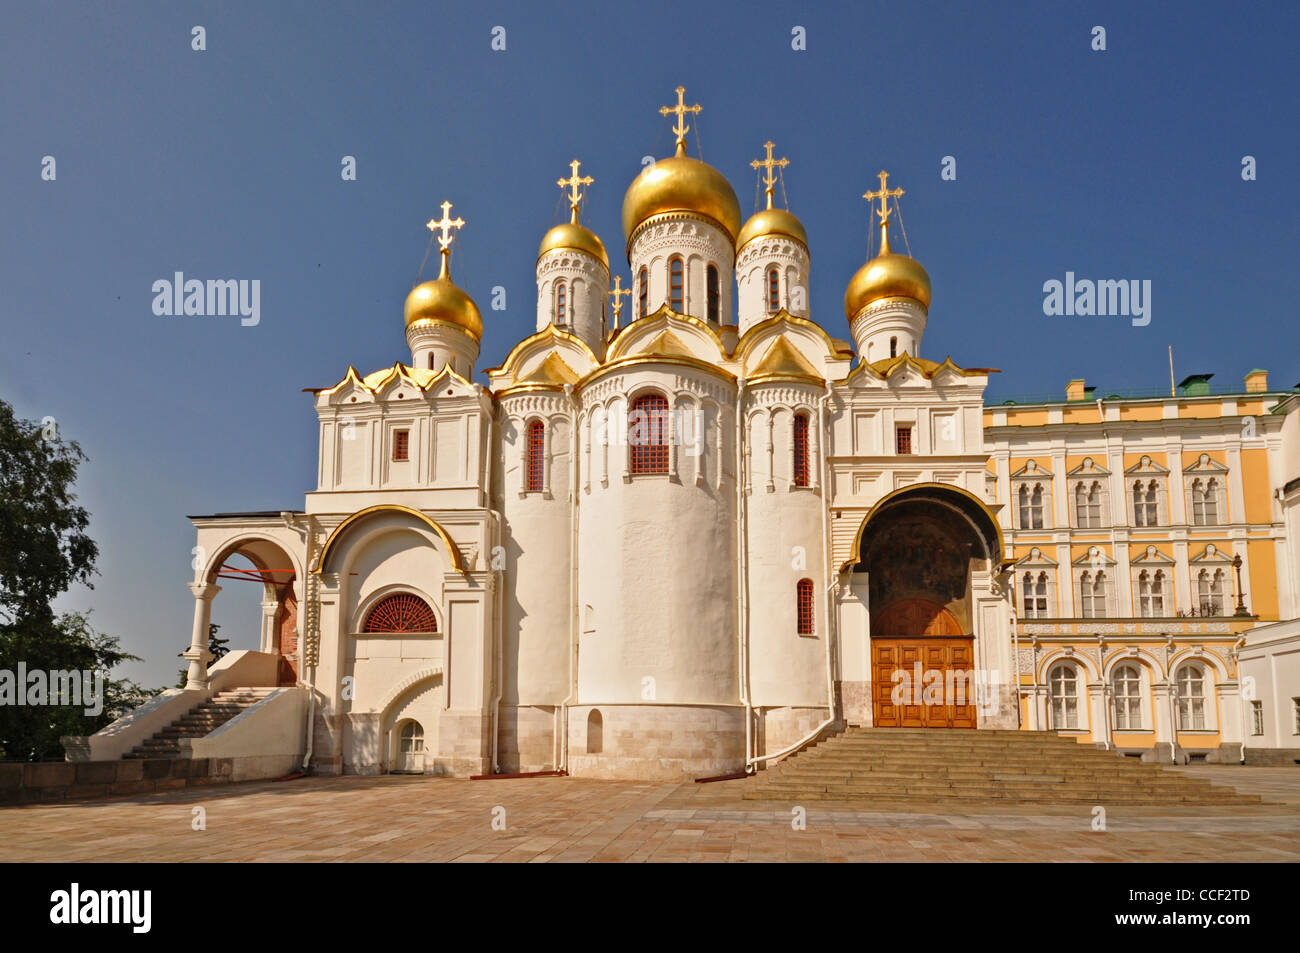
x=199, y=721
x=918, y=764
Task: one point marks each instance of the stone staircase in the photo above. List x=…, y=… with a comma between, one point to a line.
x=896, y=765
x=199, y=721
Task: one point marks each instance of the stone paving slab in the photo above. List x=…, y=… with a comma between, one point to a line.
x=399, y=818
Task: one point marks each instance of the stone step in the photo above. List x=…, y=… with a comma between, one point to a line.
x=198, y=722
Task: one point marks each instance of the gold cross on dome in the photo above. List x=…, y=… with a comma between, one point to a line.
x=770, y=164
x=572, y=183
x=884, y=194
x=617, y=294
x=444, y=240
x=681, y=109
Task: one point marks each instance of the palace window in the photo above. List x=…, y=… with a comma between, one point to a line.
x=1092, y=592
x=1256, y=718
x=801, y=449
x=1031, y=506
x=1151, y=594
x=1209, y=589
x=1205, y=502
x=642, y=292
x=401, y=444
x=400, y=612
x=536, y=455
x=711, y=281
x=804, y=602
x=1063, y=692
x=903, y=439
x=1087, y=505
x=561, y=303
x=1035, y=595
x=648, y=434
x=773, y=290
x=1145, y=511
x=677, y=284
x=1191, y=698
x=1126, y=687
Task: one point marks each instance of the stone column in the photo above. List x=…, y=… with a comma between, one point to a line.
x=268, y=625
x=197, y=654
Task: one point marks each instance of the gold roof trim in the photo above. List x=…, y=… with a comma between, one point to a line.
x=749, y=339
x=784, y=360
x=550, y=334
x=654, y=359
x=456, y=562
x=624, y=338
x=552, y=371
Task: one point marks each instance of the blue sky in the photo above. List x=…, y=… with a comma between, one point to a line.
x=225, y=164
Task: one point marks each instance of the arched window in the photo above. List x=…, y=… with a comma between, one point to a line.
x=677, y=284
x=1209, y=589
x=801, y=449
x=1126, y=687
x=561, y=303
x=400, y=612
x=595, y=732
x=1191, y=698
x=1151, y=594
x=1087, y=504
x=773, y=290
x=804, y=605
x=1035, y=595
x=431, y=361
x=893, y=347
x=648, y=433
x=711, y=280
x=1031, y=507
x=1063, y=692
x=1092, y=590
x=412, y=737
x=1144, y=504
x=642, y=292
x=536, y=455
x=1205, y=503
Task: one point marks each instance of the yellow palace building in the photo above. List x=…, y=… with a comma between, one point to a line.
x=1148, y=535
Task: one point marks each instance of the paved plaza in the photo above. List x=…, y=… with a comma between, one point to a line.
x=403, y=818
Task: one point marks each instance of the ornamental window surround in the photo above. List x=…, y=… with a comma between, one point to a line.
x=1126, y=691
x=1063, y=696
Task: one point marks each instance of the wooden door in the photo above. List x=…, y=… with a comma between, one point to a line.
x=937, y=689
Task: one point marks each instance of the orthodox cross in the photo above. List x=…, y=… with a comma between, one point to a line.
x=770, y=164
x=572, y=183
x=681, y=109
x=617, y=294
x=445, y=239
x=884, y=194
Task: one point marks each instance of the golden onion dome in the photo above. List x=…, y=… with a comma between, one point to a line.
x=887, y=276
x=441, y=301
x=681, y=184
x=772, y=221
x=572, y=235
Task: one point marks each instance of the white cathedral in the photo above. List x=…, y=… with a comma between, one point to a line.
x=680, y=543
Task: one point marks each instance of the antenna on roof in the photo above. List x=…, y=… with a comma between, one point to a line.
x=1172, y=391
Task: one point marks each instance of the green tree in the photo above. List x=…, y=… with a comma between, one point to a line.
x=44, y=548
x=66, y=643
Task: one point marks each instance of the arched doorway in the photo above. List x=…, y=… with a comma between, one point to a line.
x=259, y=562
x=919, y=548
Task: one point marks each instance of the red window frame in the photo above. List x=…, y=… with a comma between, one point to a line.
x=801, y=449
x=804, y=606
x=677, y=283
x=648, y=435
x=903, y=440
x=643, y=292
x=773, y=290
x=401, y=612
x=536, y=455
x=401, y=445
x=561, y=303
